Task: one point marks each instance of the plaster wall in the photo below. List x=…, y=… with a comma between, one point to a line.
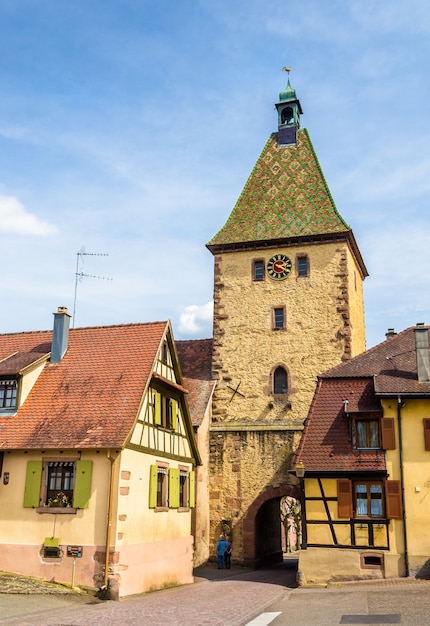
x=416, y=474
x=23, y=530
x=136, y=522
x=28, y=381
x=200, y=514
x=26, y=525
x=154, y=565
x=324, y=565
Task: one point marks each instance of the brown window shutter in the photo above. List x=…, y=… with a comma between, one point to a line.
x=344, y=498
x=426, y=422
x=393, y=498
x=388, y=434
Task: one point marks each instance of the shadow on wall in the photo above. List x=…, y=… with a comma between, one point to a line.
x=424, y=571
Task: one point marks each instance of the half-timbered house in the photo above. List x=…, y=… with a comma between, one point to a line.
x=97, y=457
x=364, y=461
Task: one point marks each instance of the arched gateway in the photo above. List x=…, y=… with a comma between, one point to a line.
x=262, y=527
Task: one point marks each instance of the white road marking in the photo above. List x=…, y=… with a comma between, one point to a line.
x=263, y=619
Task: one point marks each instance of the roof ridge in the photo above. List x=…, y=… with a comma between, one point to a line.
x=306, y=132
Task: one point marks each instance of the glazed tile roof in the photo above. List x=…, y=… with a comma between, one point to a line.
x=286, y=196
x=195, y=357
x=388, y=369
x=90, y=399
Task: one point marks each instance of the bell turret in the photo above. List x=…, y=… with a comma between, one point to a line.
x=289, y=111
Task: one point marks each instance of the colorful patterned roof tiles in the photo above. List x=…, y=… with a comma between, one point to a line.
x=286, y=196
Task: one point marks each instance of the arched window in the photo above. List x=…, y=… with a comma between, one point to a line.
x=287, y=115
x=280, y=381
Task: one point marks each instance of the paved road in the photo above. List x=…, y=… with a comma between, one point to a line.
x=400, y=601
x=232, y=598
x=217, y=598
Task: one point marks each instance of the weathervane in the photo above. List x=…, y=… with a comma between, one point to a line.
x=80, y=274
x=287, y=69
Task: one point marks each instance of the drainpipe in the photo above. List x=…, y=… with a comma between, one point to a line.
x=109, y=518
x=402, y=483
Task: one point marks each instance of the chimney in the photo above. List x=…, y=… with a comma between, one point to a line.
x=422, y=347
x=60, y=335
x=390, y=333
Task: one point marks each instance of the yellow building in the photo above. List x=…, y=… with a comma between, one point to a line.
x=97, y=457
x=288, y=304
x=365, y=454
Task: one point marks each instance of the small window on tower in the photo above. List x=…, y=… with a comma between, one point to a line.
x=280, y=381
x=302, y=266
x=258, y=270
x=278, y=318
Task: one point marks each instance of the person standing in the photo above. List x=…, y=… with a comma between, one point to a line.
x=221, y=547
x=227, y=554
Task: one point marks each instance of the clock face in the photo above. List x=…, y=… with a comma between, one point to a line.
x=279, y=266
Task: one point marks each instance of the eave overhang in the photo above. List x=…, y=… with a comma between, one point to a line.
x=346, y=235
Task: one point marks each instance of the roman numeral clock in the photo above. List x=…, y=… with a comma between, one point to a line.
x=279, y=266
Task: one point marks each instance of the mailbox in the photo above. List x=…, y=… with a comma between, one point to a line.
x=51, y=548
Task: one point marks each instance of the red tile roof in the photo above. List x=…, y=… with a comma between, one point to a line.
x=325, y=443
x=195, y=357
x=393, y=363
x=90, y=399
x=390, y=368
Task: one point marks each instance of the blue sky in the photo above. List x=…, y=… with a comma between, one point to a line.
x=129, y=127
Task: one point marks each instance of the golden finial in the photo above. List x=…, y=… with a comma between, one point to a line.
x=287, y=69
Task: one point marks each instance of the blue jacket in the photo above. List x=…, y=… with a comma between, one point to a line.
x=221, y=547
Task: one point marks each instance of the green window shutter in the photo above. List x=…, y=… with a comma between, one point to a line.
x=153, y=475
x=173, y=488
x=192, y=498
x=157, y=408
x=82, y=491
x=32, y=484
x=174, y=413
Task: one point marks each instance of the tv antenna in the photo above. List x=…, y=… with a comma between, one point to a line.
x=79, y=274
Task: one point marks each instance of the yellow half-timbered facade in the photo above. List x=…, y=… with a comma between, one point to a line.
x=364, y=461
x=97, y=457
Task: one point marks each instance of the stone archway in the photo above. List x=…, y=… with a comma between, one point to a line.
x=262, y=526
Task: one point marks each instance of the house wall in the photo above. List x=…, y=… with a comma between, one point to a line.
x=318, y=564
x=416, y=471
x=23, y=530
x=154, y=548
x=200, y=515
x=325, y=324
x=329, y=555
x=28, y=381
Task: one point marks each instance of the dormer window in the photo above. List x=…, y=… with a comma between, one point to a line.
x=8, y=393
x=367, y=433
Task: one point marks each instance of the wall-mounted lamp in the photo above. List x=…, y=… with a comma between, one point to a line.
x=300, y=469
x=345, y=406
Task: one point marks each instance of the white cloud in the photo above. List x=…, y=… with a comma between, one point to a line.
x=15, y=219
x=194, y=319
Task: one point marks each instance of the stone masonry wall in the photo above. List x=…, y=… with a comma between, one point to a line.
x=254, y=433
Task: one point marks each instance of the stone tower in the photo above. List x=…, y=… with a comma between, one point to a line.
x=288, y=304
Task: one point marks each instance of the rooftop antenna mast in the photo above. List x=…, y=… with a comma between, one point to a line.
x=79, y=274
